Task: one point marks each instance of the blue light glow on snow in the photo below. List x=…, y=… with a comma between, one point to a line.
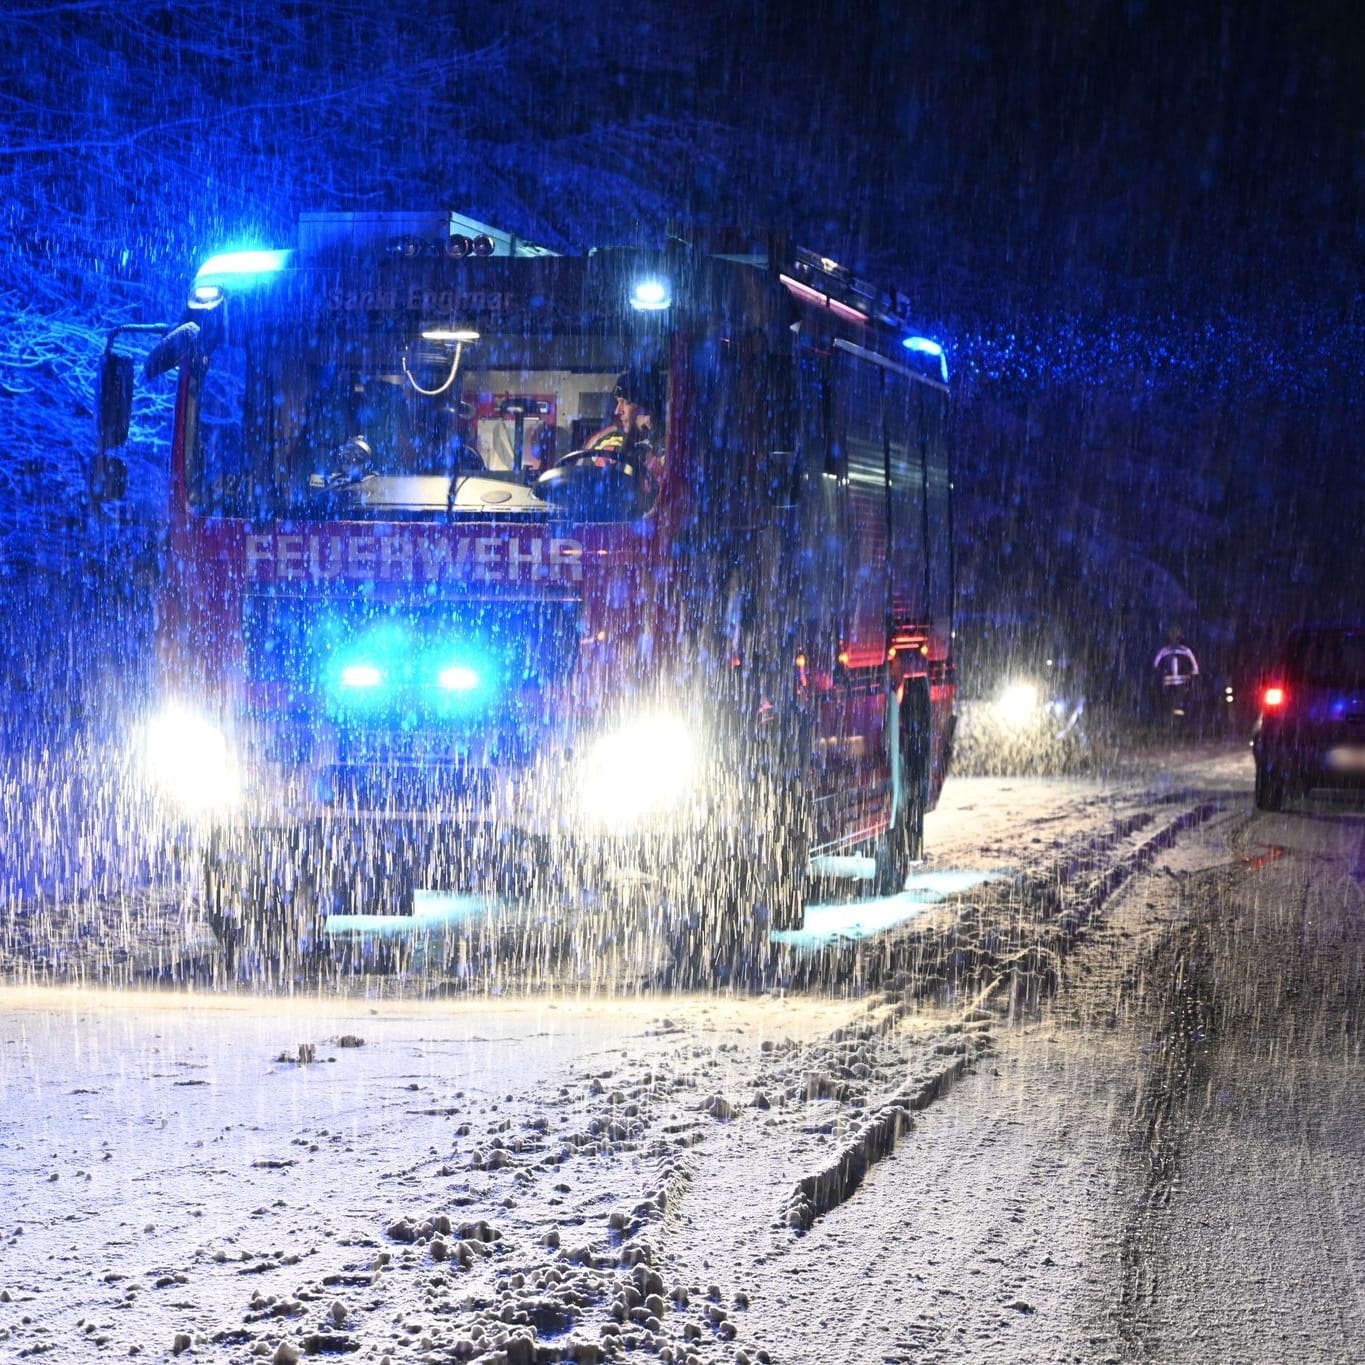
x=824, y=923
x=431, y=910
x=842, y=920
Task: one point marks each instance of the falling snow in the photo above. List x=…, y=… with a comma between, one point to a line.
x=1086, y=1087
x=1004, y=1163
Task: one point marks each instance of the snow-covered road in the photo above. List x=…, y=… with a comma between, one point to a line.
x=1095, y=1102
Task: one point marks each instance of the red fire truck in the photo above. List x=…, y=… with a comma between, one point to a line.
x=491, y=566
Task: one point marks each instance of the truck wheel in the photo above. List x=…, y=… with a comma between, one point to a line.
x=739, y=890
x=781, y=865
x=769, y=895
x=263, y=903
x=902, y=845
x=722, y=938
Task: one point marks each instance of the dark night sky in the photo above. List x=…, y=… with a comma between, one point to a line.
x=1139, y=226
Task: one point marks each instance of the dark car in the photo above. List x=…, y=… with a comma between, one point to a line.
x=1311, y=730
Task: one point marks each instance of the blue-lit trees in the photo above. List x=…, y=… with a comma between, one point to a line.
x=1007, y=171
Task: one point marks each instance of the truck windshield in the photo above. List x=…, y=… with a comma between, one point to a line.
x=443, y=424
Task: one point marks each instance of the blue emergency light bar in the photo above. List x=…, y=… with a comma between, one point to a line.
x=923, y=346
x=458, y=678
x=244, y=263
x=361, y=675
x=384, y=670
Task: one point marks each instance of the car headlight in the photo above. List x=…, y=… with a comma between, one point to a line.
x=188, y=759
x=1017, y=705
x=645, y=768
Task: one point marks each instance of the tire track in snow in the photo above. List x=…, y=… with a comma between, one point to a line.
x=1064, y=901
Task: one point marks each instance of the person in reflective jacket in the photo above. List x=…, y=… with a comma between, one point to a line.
x=1175, y=663
x=629, y=439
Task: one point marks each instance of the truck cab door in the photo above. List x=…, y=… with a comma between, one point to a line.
x=844, y=590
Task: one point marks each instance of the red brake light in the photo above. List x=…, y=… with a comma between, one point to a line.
x=1273, y=698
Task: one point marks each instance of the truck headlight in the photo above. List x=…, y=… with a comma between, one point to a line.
x=1017, y=705
x=188, y=758
x=646, y=767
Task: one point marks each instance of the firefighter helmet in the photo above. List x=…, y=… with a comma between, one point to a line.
x=641, y=387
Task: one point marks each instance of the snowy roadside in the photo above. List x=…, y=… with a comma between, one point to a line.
x=553, y=1175
x=446, y=1184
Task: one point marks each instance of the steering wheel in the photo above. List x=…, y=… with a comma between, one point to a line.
x=462, y=458
x=604, y=458
x=603, y=476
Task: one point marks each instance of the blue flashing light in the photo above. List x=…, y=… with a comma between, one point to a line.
x=361, y=675
x=651, y=296
x=205, y=296
x=365, y=667
x=459, y=678
x=244, y=263
x=384, y=671
x=924, y=346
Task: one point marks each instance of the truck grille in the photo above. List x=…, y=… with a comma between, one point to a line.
x=307, y=643
x=438, y=789
x=399, y=706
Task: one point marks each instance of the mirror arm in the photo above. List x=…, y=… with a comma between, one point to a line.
x=173, y=349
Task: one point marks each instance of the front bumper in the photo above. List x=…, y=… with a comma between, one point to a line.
x=320, y=870
x=641, y=766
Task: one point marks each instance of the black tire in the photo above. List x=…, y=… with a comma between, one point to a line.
x=737, y=888
x=1271, y=787
x=781, y=867
x=902, y=845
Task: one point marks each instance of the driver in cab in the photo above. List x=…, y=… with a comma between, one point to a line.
x=630, y=438
x=615, y=475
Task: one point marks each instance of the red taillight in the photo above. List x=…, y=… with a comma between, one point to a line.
x=1273, y=698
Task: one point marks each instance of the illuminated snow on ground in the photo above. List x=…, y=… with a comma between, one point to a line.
x=560, y=1173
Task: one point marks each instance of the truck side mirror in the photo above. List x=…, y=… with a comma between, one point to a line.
x=115, y=399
